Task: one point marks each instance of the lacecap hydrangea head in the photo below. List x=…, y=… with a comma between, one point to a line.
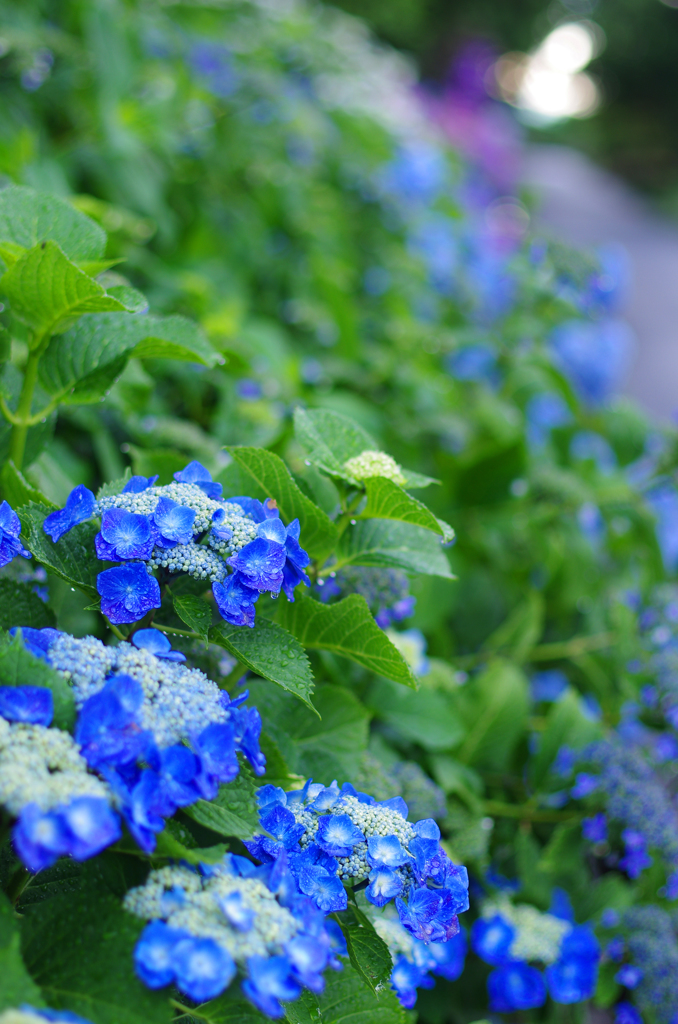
x=387, y=591
x=209, y=924
x=417, y=963
x=240, y=546
x=336, y=837
x=515, y=937
x=161, y=734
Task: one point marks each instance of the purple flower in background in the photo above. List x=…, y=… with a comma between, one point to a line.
x=80, y=506
x=636, y=857
x=212, y=61
x=595, y=829
x=127, y=592
x=473, y=362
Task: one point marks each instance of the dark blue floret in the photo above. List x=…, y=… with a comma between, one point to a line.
x=154, y=953
x=40, y=837
x=202, y=968
x=406, y=978
x=127, y=592
x=491, y=939
x=235, y=600
x=572, y=979
x=34, y=704
x=124, y=535
x=270, y=982
x=260, y=563
x=107, y=730
x=137, y=484
x=80, y=506
x=337, y=835
x=80, y=829
x=10, y=529
x=516, y=986
x=155, y=642
x=385, y=884
x=173, y=523
x=37, y=641
x=195, y=473
x=323, y=886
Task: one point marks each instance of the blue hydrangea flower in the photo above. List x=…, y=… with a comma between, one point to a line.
x=416, y=962
x=235, y=600
x=80, y=829
x=34, y=704
x=270, y=981
x=80, y=506
x=195, y=473
x=10, y=529
x=173, y=523
x=124, y=535
x=155, y=642
x=37, y=641
x=127, y=592
x=202, y=968
x=595, y=829
x=492, y=938
x=137, y=484
x=625, y=1013
x=516, y=986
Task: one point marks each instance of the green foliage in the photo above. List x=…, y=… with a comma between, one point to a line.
x=17, y=986
x=194, y=612
x=233, y=812
x=387, y=500
x=17, y=665
x=347, y=1000
x=270, y=651
x=28, y=218
x=368, y=953
x=390, y=544
x=20, y=605
x=73, y=558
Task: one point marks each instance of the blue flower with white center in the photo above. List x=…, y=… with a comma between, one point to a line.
x=80, y=829
x=123, y=536
x=154, y=954
x=195, y=473
x=516, y=987
x=40, y=837
x=323, y=886
x=137, y=484
x=385, y=885
x=406, y=978
x=337, y=835
x=202, y=968
x=271, y=981
x=385, y=851
x=127, y=592
x=91, y=825
x=80, y=506
x=492, y=938
x=10, y=529
x=33, y=704
x=236, y=910
x=235, y=600
x=173, y=523
x=260, y=563
x=155, y=642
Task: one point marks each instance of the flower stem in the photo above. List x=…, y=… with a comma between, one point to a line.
x=23, y=413
x=527, y=812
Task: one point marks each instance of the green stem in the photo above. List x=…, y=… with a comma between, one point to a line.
x=18, y=883
x=186, y=1011
x=23, y=412
x=114, y=630
x=179, y=632
x=558, y=651
x=527, y=812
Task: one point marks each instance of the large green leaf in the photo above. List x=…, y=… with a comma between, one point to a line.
x=73, y=558
x=347, y=1000
x=318, y=532
x=28, y=217
x=21, y=606
x=270, y=651
x=46, y=290
x=195, y=612
x=390, y=544
x=79, y=948
x=81, y=364
x=16, y=984
x=346, y=628
x=233, y=812
x=16, y=489
x=387, y=500
x=326, y=747
x=494, y=705
x=331, y=439
x=230, y=1008
x=18, y=667
x=367, y=951
x=428, y=717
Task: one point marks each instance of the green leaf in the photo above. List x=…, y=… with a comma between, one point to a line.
x=393, y=545
x=331, y=439
x=427, y=717
x=347, y=1000
x=494, y=705
x=18, y=667
x=16, y=489
x=233, y=812
x=346, y=628
x=521, y=630
x=566, y=725
x=318, y=532
x=230, y=1008
x=82, y=364
x=269, y=651
x=134, y=301
x=45, y=290
x=386, y=500
x=367, y=951
x=21, y=606
x=79, y=948
x=73, y=558
x=326, y=747
x=196, y=613
x=176, y=841
x=16, y=984
x=114, y=487
x=28, y=217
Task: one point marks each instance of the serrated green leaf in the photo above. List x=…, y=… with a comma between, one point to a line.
x=269, y=651
x=494, y=706
x=230, y=1008
x=114, y=486
x=18, y=667
x=346, y=628
x=79, y=948
x=196, y=613
x=73, y=558
x=347, y=1000
x=367, y=951
x=16, y=984
x=326, y=747
x=133, y=300
x=318, y=532
x=233, y=812
x=386, y=500
x=390, y=544
x=81, y=364
x=16, y=489
x=46, y=290
x=21, y=606
x=28, y=217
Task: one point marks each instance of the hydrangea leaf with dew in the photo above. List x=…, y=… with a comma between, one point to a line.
x=387, y=500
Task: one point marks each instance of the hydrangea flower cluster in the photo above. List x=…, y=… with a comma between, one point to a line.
x=415, y=963
x=240, y=546
x=209, y=923
x=387, y=591
x=645, y=945
x=336, y=837
x=10, y=530
x=163, y=735
x=59, y=806
x=372, y=463
x=513, y=937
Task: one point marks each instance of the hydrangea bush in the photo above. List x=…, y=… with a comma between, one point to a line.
x=226, y=769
